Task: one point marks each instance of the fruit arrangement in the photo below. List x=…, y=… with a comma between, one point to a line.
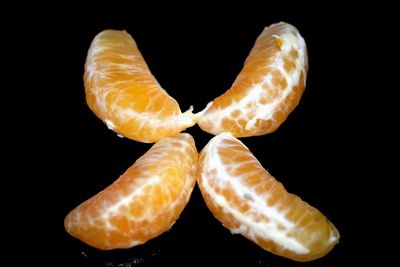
x=148, y=198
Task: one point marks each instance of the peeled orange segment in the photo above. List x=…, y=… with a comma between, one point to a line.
x=267, y=89
x=144, y=202
x=123, y=93
x=249, y=201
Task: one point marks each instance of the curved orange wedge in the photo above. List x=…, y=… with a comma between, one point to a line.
x=123, y=93
x=144, y=202
x=249, y=201
x=267, y=89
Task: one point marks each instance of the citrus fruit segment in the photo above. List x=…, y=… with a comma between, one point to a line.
x=123, y=93
x=267, y=89
x=144, y=202
x=249, y=201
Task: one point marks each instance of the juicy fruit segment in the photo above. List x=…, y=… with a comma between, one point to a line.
x=123, y=93
x=144, y=202
x=249, y=201
x=267, y=89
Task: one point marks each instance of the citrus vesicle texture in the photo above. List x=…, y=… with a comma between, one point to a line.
x=149, y=197
x=267, y=89
x=142, y=203
x=249, y=201
x=123, y=93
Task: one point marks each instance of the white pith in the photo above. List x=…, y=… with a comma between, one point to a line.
x=120, y=208
x=96, y=73
x=291, y=40
x=268, y=230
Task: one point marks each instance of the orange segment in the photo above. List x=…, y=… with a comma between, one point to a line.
x=144, y=202
x=123, y=93
x=267, y=89
x=249, y=201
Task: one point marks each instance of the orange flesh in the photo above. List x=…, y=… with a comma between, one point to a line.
x=144, y=202
x=137, y=207
x=123, y=93
x=278, y=57
x=248, y=200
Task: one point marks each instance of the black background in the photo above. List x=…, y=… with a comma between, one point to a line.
x=65, y=154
